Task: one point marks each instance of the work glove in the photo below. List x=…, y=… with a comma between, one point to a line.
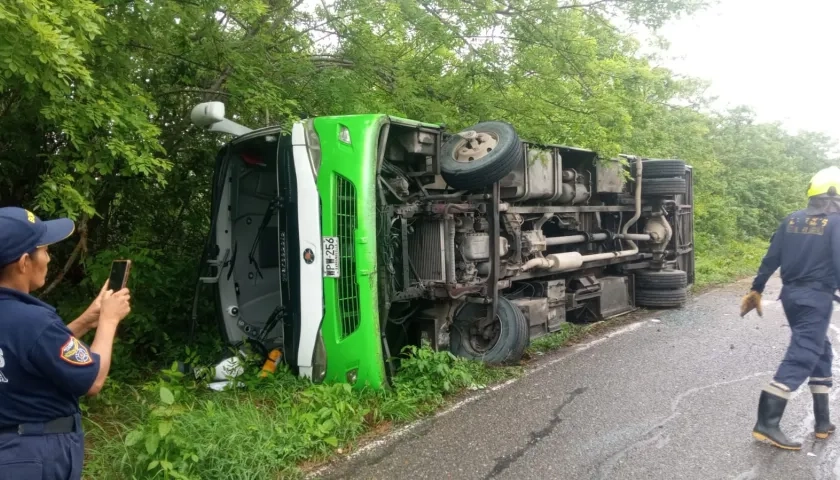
x=750, y=301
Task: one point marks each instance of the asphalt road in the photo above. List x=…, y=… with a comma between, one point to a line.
x=673, y=396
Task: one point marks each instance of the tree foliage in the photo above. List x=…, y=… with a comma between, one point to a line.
x=95, y=98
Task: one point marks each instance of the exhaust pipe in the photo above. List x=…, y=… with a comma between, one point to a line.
x=558, y=262
x=595, y=237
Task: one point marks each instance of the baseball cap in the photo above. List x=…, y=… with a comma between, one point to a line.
x=21, y=231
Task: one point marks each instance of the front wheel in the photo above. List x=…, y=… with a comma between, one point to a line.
x=502, y=341
x=480, y=156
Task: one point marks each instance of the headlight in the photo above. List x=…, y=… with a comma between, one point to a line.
x=313, y=144
x=344, y=134
x=319, y=360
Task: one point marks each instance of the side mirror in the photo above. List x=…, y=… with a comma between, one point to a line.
x=207, y=113
x=211, y=116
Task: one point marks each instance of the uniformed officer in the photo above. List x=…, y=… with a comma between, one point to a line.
x=807, y=248
x=44, y=367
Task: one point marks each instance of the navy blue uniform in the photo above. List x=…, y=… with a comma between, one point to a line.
x=44, y=370
x=807, y=248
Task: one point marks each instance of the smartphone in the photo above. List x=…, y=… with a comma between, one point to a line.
x=119, y=275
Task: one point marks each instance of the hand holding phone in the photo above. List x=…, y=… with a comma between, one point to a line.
x=119, y=275
x=116, y=302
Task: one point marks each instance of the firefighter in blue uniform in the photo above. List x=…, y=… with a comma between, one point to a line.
x=44, y=367
x=807, y=248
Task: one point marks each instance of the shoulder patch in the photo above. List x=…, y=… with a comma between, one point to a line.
x=75, y=353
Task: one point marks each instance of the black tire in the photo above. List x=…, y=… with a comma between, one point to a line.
x=662, y=186
x=485, y=170
x=660, y=168
x=661, y=279
x=673, y=298
x=507, y=347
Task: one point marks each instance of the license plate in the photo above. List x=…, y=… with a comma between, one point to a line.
x=331, y=256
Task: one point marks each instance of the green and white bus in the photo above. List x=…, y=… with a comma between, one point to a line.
x=354, y=236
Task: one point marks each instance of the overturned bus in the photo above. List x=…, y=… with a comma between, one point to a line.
x=354, y=236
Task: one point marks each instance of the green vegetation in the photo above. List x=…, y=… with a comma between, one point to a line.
x=94, y=104
x=568, y=332
x=266, y=427
x=722, y=264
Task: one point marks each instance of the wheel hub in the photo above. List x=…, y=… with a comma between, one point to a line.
x=482, y=340
x=474, y=146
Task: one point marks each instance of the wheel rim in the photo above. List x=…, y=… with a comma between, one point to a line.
x=474, y=146
x=482, y=341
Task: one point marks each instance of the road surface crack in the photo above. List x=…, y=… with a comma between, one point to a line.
x=655, y=433
x=504, y=462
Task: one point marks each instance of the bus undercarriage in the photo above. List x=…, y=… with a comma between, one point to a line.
x=577, y=238
x=476, y=241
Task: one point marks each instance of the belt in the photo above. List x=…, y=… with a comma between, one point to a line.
x=817, y=286
x=67, y=424
x=814, y=285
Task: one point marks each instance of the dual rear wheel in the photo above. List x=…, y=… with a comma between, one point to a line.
x=661, y=288
x=662, y=177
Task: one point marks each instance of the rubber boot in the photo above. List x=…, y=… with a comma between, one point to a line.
x=770, y=411
x=822, y=424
